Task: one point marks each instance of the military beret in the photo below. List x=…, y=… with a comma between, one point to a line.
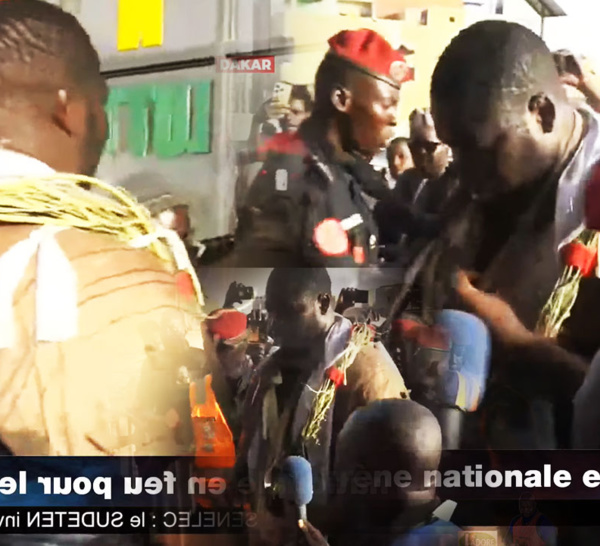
x=371, y=53
x=229, y=325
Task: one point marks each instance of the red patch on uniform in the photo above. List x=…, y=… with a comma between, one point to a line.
x=358, y=252
x=406, y=326
x=431, y=337
x=331, y=238
x=283, y=143
x=185, y=285
x=592, y=200
x=578, y=255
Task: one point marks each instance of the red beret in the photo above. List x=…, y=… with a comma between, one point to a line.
x=372, y=53
x=227, y=324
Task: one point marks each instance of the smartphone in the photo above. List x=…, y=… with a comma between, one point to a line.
x=282, y=92
x=566, y=63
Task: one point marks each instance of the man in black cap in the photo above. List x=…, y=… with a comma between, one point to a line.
x=305, y=208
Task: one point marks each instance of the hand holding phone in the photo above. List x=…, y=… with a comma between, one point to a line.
x=573, y=71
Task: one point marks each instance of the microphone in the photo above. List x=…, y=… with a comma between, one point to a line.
x=463, y=382
x=296, y=483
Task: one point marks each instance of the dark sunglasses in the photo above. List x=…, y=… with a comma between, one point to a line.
x=426, y=145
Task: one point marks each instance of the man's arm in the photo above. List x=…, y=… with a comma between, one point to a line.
x=528, y=356
x=538, y=358
x=579, y=74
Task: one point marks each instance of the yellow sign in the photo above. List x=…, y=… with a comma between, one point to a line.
x=141, y=22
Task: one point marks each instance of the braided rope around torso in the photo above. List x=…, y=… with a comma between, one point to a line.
x=59, y=200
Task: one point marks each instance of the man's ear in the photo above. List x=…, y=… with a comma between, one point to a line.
x=341, y=98
x=542, y=107
x=324, y=301
x=68, y=114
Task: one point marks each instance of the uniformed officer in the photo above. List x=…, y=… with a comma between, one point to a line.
x=305, y=207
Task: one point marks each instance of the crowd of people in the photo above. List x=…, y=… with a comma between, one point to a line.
x=481, y=209
x=486, y=217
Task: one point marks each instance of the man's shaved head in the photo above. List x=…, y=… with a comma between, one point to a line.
x=51, y=90
x=492, y=70
x=43, y=47
x=296, y=284
x=390, y=435
x=497, y=100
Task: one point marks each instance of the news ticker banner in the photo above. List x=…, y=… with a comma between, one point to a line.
x=162, y=495
x=152, y=521
x=122, y=521
x=145, y=481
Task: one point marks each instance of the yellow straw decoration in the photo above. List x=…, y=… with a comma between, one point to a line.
x=361, y=337
x=60, y=200
x=560, y=303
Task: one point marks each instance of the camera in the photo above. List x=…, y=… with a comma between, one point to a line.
x=238, y=293
x=245, y=292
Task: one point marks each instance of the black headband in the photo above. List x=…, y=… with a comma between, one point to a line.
x=332, y=55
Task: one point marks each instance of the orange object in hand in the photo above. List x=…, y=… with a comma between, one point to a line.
x=215, y=447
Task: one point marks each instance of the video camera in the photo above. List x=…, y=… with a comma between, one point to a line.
x=258, y=322
x=259, y=341
x=238, y=293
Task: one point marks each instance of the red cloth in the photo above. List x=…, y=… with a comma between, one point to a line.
x=358, y=252
x=336, y=375
x=367, y=49
x=227, y=323
x=283, y=143
x=578, y=255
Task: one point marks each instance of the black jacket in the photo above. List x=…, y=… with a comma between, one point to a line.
x=300, y=185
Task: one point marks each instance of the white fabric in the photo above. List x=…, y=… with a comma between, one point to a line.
x=56, y=288
x=177, y=246
x=15, y=164
x=57, y=313
x=56, y=282
x=570, y=202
